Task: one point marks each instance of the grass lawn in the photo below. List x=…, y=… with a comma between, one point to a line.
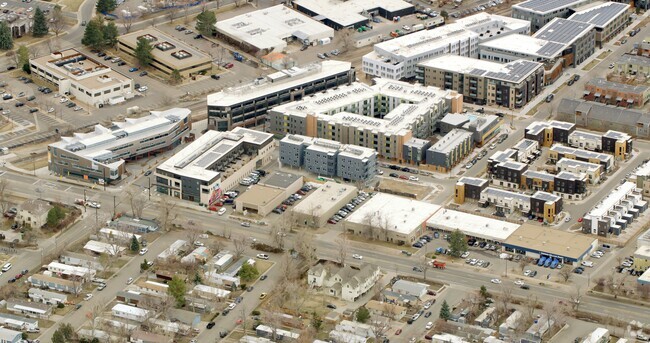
x=263, y=266
x=591, y=65
x=28, y=164
x=603, y=55
x=71, y=5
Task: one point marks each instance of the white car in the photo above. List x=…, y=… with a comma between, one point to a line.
x=50, y=110
x=231, y=306
x=143, y=251
x=357, y=257
x=406, y=28
x=429, y=326
x=519, y=283
x=465, y=254
x=94, y=204
x=527, y=273
x=88, y=296
x=427, y=305
x=473, y=262
x=198, y=244
x=263, y=256
x=143, y=89
x=62, y=100
x=413, y=178
x=222, y=211
x=493, y=146
x=6, y=112
x=129, y=281
x=567, y=219
x=496, y=281
x=380, y=172
x=4, y=4
x=245, y=224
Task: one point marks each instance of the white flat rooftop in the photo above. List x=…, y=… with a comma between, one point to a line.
x=322, y=198
x=496, y=24
x=270, y=27
x=547, y=6
x=472, y=225
x=398, y=214
x=528, y=45
x=613, y=198
x=515, y=71
x=644, y=170
x=563, y=31
x=347, y=13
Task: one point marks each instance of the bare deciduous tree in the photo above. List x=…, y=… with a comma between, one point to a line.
x=303, y=245
x=193, y=231
x=565, y=274
x=168, y=212
x=531, y=305
x=576, y=297
x=127, y=21
x=346, y=37
x=523, y=263
x=57, y=22
x=277, y=235
x=240, y=245
x=172, y=11
x=504, y=298
x=379, y=326
x=343, y=247
x=137, y=202
x=4, y=204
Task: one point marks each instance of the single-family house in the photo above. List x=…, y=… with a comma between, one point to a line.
x=173, y=250
x=486, y=318
x=98, y=248
x=222, y=280
x=46, y=297
x=129, y=297
x=152, y=287
x=233, y=270
x=222, y=260
x=511, y=324
x=113, y=235
x=600, y=335
x=55, y=283
x=81, y=260
x=279, y=334
x=139, y=336
x=416, y=289
x=447, y=338
x=209, y=292
x=356, y=328
x=69, y=272
x=14, y=322
x=188, y=318
x=399, y=299
x=10, y=336
x=345, y=282
x=200, y=254
x=33, y=213
x=538, y=329
x=347, y=337
x=385, y=309
x=130, y=312
x=29, y=309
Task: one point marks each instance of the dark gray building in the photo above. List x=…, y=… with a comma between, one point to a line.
x=415, y=150
x=547, y=133
x=471, y=187
x=499, y=157
x=578, y=37
x=541, y=12
x=509, y=174
x=574, y=186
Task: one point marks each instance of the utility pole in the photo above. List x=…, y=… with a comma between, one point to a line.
x=114, y=206
x=149, y=178
x=104, y=175
x=96, y=216
x=84, y=200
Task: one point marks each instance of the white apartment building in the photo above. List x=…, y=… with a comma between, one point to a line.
x=615, y=212
x=82, y=76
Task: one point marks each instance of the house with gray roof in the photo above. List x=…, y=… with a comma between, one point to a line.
x=416, y=289
x=633, y=65
x=18, y=323
x=33, y=213
x=345, y=282
x=28, y=308
x=46, y=297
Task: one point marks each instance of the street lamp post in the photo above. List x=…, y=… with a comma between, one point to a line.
x=34, y=163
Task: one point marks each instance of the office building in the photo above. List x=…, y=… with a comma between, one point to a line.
x=83, y=77
x=100, y=155
x=449, y=150
x=247, y=105
x=18, y=22
x=213, y=163
x=353, y=13
x=609, y=18
x=548, y=133
x=613, y=142
x=398, y=58
x=469, y=188
x=601, y=117
x=169, y=54
x=557, y=152
x=511, y=85
x=579, y=37
x=270, y=29
x=541, y=204
x=329, y=158
x=615, y=212
x=541, y=12
x=616, y=93
x=381, y=117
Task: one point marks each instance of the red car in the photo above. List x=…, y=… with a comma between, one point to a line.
x=399, y=331
x=229, y=65
x=580, y=220
x=331, y=221
x=403, y=177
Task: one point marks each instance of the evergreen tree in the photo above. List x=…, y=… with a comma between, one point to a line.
x=144, y=265
x=445, y=312
x=135, y=245
x=143, y=52
x=106, y=6
x=205, y=22
x=93, y=35
x=6, y=39
x=363, y=315
x=110, y=34
x=27, y=69
x=23, y=56
x=175, y=77
x=457, y=243
x=248, y=272
x=316, y=322
x=484, y=292
x=177, y=288
x=57, y=337
x=39, y=28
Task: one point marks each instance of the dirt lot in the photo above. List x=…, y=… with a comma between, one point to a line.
x=404, y=188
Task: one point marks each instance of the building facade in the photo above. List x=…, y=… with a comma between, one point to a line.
x=613, y=214
x=343, y=282
x=541, y=12
x=633, y=65
x=609, y=19
x=450, y=150
x=33, y=213
x=548, y=133
x=615, y=93
x=593, y=171
x=469, y=188
x=612, y=142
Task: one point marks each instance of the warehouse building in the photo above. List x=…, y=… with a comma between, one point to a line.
x=510, y=85
x=546, y=133
x=615, y=212
x=613, y=142
x=593, y=171
x=322, y=203
x=473, y=226
x=271, y=28
x=269, y=194
x=601, y=117
x=558, y=152
x=541, y=12
x=469, y=188
x=340, y=14
x=83, y=77
x=449, y=150
x=169, y=54
x=328, y=158
x=538, y=241
x=247, y=105
x=214, y=163
x=381, y=117
x=100, y=155
x=578, y=36
x=616, y=93
x=608, y=18
x=390, y=218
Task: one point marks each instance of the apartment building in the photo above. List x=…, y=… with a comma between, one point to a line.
x=527, y=150
x=541, y=204
x=213, y=163
x=616, y=93
x=615, y=212
x=548, y=133
x=579, y=37
x=469, y=188
x=509, y=174
x=557, y=152
x=483, y=126
x=449, y=150
x=510, y=85
x=344, y=282
x=565, y=184
x=633, y=64
x=616, y=143
x=609, y=18
x=247, y=105
x=643, y=180
x=541, y=12
x=415, y=150
x=83, y=77
x=101, y=155
x=381, y=117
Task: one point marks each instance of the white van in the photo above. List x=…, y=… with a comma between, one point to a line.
x=6, y=267
x=587, y=264
x=222, y=211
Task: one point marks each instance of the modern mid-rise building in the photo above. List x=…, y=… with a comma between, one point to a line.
x=616, y=93
x=382, y=117
x=449, y=150
x=248, y=105
x=557, y=152
x=329, y=158
x=511, y=85
x=541, y=204
x=609, y=18
x=613, y=142
x=615, y=212
x=541, y=12
x=353, y=13
x=84, y=77
x=100, y=155
x=577, y=36
x=482, y=126
x=643, y=180
x=469, y=188
x=565, y=184
x=548, y=133
x=213, y=163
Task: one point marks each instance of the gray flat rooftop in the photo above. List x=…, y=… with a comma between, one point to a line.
x=539, y=126
x=567, y=162
x=513, y=165
x=506, y=194
x=450, y=141
x=545, y=6
x=617, y=135
x=634, y=59
x=523, y=44
x=503, y=156
x=281, y=180
x=565, y=175
x=524, y=144
x=416, y=143
x=600, y=15
x=515, y=71
x=474, y=181
x=581, y=153
x=585, y=135
x=563, y=31
x=544, y=176
x=544, y=196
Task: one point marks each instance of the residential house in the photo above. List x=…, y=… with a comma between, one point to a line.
x=356, y=328
x=33, y=213
x=211, y=293
x=538, y=329
x=139, y=336
x=67, y=286
x=447, y=338
x=46, y=297
x=510, y=324
x=279, y=334
x=10, y=336
x=81, y=260
x=600, y=335
x=399, y=299
x=384, y=309
x=173, y=250
x=415, y=289
x=69, y=272
x=18, y=323
x=486, y=318
x=345, y=282
x=129, y=297
x=152, y=287
x=29, y=309
x=188, y=318
x=130, y=312
x=104, y=248
x=200, y=255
